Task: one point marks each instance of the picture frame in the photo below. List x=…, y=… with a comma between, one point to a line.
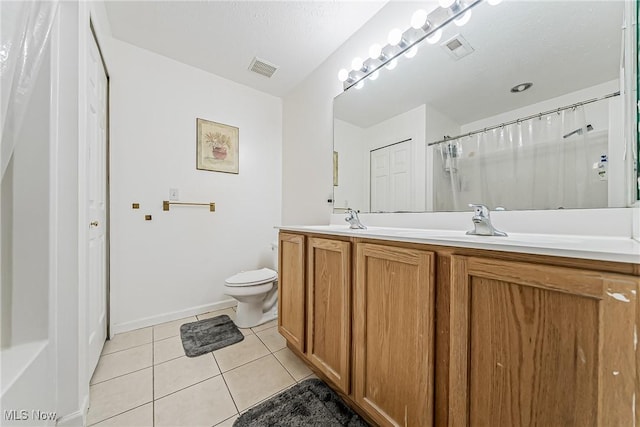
x=217, y=147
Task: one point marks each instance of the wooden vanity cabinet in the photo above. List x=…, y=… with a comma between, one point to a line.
x=329, y=309
x=521, y=340
x=540, y=345
x=292, y=289
x=394, y=334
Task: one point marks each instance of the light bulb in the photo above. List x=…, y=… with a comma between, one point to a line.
x=357, y=64
x=411, y=52
x=435, y=37
x=395, y=36
x=463, y=19
x=343, y=75
x=494, y=2
x=360, y=84
x=374, y=75
x=446, y=3
x=418, y=18
x=375, y=51
x=392, y=64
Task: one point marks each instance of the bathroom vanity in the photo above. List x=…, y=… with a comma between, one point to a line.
x=422, y=328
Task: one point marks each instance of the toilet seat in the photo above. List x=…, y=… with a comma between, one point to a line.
x=252, y=278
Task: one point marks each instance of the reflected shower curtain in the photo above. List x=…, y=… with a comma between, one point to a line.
x=549, y=162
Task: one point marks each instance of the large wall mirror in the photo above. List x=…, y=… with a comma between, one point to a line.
x=444, y=129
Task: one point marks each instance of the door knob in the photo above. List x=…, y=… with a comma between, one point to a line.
x=93, y=224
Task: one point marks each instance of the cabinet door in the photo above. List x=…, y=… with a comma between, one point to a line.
x=394, y=334
x=291, y=289
x=329, y=305
x=535, y=345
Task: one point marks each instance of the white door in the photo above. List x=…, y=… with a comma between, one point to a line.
x=400, y=176
x=379, y=180
x=391, y=178
x=96, y=140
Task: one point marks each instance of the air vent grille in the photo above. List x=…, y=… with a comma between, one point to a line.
x=457, y=47
x=262, y=67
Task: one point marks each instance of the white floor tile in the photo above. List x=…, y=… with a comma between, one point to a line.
x=138, y=417
x=127, y=340
x=168, y=349
x=122, y=362
x=264, y=326
x=292, y=363
x=251, y=348
x=272, y=339
x=228, y=422
x=120, y=394
x=176, y=374
x=170, y=329
x=204, y=404
x=255, y=381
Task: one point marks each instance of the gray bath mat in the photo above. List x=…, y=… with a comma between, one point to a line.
x=208, y=335
x=310, y=403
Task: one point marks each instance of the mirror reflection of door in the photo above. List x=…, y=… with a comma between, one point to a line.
x=392, y=178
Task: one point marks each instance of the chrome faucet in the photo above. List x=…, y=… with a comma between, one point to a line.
x=482, y=222
x=353, y=220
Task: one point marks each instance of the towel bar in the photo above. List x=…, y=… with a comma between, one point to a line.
x=166, y=204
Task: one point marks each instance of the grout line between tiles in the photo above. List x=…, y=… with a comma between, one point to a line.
x=184, y=388
x=121, y=413
x=120, y=376
x=246, y=363
x=225, y=420
x=285, y=368
x=125, y=349
x=227, y=386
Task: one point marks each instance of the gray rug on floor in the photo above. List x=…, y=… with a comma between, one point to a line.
x=208, y=335
x=310, y=403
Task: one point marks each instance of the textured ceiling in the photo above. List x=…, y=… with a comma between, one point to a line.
x=222, y=37
x=560, y=46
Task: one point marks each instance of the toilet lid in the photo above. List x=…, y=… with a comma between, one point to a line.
x=252, y=277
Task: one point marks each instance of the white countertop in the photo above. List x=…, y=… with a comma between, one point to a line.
x=617, y=249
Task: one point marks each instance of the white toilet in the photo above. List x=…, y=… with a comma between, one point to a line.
x=257, y=295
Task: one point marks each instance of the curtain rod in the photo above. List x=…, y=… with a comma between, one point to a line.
x=523, y=119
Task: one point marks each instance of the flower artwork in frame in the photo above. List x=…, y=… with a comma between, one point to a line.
x=217, y=147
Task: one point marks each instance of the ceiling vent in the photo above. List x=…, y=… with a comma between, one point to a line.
x=457, y=47
x=262, y=67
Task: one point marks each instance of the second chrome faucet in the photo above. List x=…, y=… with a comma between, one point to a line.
x=482, y=222
x=353, y=220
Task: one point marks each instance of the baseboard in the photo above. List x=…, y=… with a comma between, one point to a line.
x=168, y=317
x=75, y=419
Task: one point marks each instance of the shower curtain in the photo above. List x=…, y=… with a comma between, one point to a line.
x=25, y=29
x=549, y=162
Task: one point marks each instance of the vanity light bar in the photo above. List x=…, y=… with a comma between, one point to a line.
x=406, y=43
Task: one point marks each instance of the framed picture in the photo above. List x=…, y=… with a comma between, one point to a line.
x=217, y=147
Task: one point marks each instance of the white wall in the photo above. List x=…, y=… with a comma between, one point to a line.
x=176, y=264
x=597, y=113
x=351, y=189
x=308, y=122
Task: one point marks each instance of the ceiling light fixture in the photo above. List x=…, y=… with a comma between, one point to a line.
x=423, y=27
x=521, y=87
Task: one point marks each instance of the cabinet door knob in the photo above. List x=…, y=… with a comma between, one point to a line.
x=93, y=224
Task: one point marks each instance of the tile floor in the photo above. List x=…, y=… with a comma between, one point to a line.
x=143, y=377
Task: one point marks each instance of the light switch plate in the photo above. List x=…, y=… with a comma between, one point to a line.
x=174, y=194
